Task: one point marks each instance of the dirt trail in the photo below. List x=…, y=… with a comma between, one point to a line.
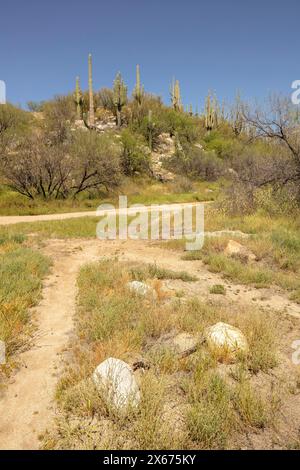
x=27, y=408
x=16, y=219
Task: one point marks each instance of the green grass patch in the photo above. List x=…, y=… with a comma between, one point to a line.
x=138, y=190
x=141, y=273
x=218, y=289
x=21, y=272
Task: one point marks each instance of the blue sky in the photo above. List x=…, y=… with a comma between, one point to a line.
x=220, y=45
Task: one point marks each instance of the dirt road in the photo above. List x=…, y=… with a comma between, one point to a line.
x=16, y=219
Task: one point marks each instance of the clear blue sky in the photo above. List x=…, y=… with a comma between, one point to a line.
x=221, y=45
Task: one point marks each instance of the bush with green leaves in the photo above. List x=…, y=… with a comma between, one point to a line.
x=180, y=124
x=195, y=163
x=135, y=155
x=14, y=123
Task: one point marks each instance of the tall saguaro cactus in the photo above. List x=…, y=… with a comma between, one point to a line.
x=237, y=119
x=91, y=95
x=138, y=91
x=120, y=96
x=176, y=96
x=78, y=99
x=150, y=128
x=211, y=113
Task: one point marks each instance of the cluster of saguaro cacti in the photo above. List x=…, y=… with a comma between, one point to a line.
x=176, y=96
x=211, y=113
x=91, y=95
x=120, y=96
x=138, y=91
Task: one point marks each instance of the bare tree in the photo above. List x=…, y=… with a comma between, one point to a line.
x=280, y=122
x=35, y=169
x=96, y=162
x=38, y=168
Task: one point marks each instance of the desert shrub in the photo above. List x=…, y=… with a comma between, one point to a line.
x=182, y=184
x=238, y=199
x=89, y=161
x=225, y=146
x=13, y=123
x=35, y=106
x=137, y=112
x=95, y=162
x=277, y=200
x=195, y=163
x=144, y=128
x=135, y=157
x=261, y=178
x=106, y=99
x=184, y=126
x=59, y=113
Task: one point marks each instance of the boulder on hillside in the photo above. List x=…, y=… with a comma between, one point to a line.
x=225, y=340
x=115, y=379
x=234, y=248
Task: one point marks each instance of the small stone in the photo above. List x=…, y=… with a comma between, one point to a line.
x=140, y=288
x=116, y=379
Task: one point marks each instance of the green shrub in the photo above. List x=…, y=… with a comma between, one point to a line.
x=135, y=157
x=195, y=163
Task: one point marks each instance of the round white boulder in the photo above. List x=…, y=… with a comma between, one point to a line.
x=226, y=340
x=116, y=380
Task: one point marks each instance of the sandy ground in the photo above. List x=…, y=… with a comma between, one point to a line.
x=28, y=408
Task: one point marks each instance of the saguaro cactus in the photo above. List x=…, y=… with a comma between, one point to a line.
x=120, y=96
x=237, y=120
x=150, y=126
x=138, y=91
x=175, y=95
x=78, y=99
x=91, y=95
x=211, y=113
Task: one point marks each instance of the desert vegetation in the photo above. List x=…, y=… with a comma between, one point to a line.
x=152, y=304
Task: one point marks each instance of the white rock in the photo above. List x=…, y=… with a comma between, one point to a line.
x=234, y=248
x=116, y=380
x=226, y=339
x=140, y=288
x=199, y=146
